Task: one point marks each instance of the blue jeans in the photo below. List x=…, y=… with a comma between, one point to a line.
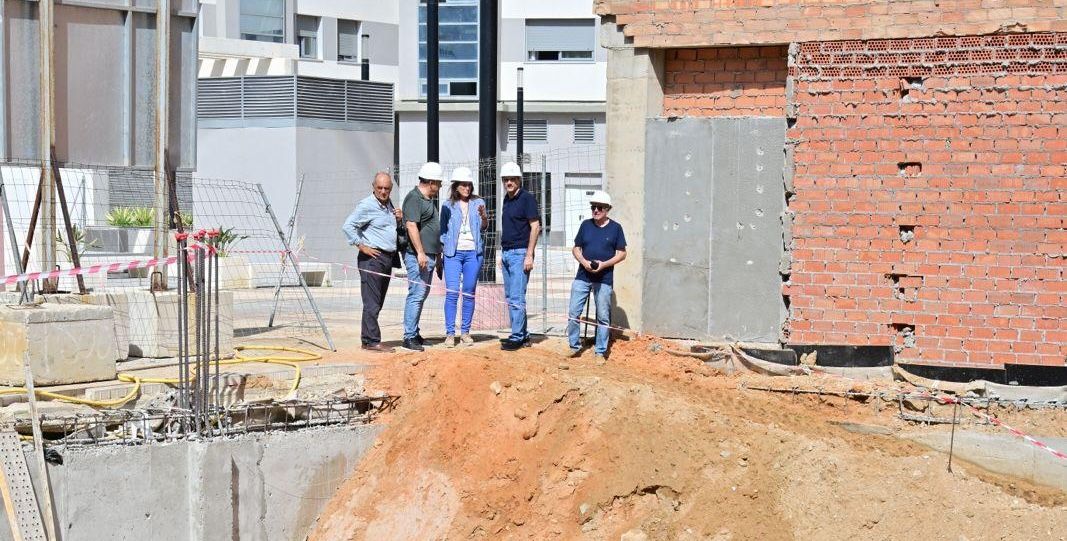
x=515, y=280
x=466, y=263
x=418, y=289
x=602, y=299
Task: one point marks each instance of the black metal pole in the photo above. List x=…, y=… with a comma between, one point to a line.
x=519, y=120
x=487, y=119
x=433, y=82
x=364, y=63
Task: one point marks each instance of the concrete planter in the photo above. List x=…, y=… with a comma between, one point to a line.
x=235, y=272
x=123, y=240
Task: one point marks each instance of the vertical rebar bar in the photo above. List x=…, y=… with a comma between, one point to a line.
x=218, y=356
x=199, y=319
x=207, y=334
x=544, y=244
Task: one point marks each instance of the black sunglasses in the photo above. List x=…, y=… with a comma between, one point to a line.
x=599, y=207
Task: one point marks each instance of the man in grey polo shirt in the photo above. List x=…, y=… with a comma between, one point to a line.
x=372, y=229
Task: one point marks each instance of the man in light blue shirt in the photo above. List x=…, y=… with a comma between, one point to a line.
x=372, y=229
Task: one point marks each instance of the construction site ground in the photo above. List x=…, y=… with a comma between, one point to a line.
x=533, y=445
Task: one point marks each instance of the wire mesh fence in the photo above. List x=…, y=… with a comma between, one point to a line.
x=263, y=298
x=112, y=213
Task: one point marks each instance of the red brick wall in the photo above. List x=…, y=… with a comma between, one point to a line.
x=699, y=23
x=725, y=81
x=959, y=144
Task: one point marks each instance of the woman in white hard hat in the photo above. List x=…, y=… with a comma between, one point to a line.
x=463, y=222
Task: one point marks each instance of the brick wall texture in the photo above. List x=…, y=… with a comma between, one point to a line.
x=725, y=81
x=929, y=204
x=698, y=23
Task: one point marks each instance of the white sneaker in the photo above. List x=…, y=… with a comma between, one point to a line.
x=450, y=341
x=466, y=339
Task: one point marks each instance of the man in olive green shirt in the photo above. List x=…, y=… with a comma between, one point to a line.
x=423, y=223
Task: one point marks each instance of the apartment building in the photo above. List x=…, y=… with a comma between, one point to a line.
x=283, y=100
x=557, y=44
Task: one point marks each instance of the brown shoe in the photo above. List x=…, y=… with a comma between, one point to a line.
x=377, y=348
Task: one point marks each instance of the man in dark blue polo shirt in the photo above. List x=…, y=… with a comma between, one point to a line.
x=520, y=227
x=599, y=245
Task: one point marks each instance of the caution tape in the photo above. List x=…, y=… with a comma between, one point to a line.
x=946, y=399
x=92, y=269
x=103, y=267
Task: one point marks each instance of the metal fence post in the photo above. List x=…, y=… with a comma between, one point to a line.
x=544, y=244
x=289, y=236
x=296, y=267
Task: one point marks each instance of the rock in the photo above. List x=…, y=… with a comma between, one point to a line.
x=743, y=463
x=564, y=366
x=496, y=387
x=634, y=535
x=724, y=453
x=584, y=508
x=655, y=348
x=916, y=405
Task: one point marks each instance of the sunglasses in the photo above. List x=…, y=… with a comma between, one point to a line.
x=599, y=207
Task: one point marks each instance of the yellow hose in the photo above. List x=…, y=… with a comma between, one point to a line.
x=286, y=360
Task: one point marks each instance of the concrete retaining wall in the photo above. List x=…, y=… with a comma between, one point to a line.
x=253, y=487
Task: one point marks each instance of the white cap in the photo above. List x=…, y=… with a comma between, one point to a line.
x=510, y=170
x=600, y=196
x=463, y=174
x=432, y=171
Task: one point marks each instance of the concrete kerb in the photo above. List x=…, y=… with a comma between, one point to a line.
x=1002, y=454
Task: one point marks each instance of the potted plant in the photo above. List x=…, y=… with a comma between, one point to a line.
x=235, y=270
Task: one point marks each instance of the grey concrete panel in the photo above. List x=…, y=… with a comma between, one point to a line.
x=144, y=99
x=22, y=71
x=746, y=298
x=209, y=19
x=91, y=97
x=383, y=42
x=678, y=203
x=713, y=231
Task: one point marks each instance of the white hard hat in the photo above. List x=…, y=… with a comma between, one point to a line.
x=510, y=170
x=432, y=171
x=600, y=196
x=463, y=174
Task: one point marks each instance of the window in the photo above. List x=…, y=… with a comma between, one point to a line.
x=263, y=20
x=560, y=39
x=348, y=41
x=532, y=130
x=307, y=36
x=584, y=130
x=457, y=48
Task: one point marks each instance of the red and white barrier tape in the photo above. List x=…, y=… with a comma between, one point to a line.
x=92, y=269
x=945, y=399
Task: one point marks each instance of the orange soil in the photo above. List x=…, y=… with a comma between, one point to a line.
x=528, y=445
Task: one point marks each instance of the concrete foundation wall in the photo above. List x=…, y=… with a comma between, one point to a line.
x=256, y=487
x=713, y=230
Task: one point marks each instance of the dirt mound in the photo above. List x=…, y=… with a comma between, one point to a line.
x=649, y=446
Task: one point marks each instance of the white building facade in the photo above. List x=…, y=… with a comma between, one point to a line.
x=565, y=88
x=282, y=101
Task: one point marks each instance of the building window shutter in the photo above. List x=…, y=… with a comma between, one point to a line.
x=584, y=130
x=348, y=41
x=560, y=35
